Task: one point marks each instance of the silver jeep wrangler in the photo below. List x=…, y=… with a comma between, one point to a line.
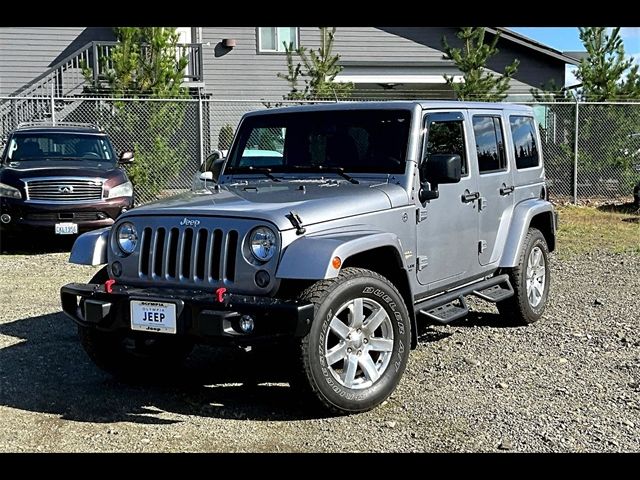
x=331, y=229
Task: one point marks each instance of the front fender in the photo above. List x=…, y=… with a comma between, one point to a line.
x=520, y=221
x=91, y=248
x=309, y=258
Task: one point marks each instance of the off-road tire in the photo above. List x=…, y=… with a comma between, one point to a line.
x=313, y=377
x=518, y=310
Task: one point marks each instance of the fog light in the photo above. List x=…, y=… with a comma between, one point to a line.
x=5, y=218
x=262, y=278
x=246, y=324
x=116, y=269
x=101, y=215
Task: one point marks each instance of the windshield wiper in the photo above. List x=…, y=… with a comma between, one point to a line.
x=322, y=168
x=264, y=170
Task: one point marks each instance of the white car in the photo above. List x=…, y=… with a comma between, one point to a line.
x=254, y=157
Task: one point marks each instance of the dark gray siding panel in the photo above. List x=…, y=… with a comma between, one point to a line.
x=26, y=52
x=241, y=72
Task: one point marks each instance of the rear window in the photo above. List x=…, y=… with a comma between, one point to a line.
x=489, y=143
x=523, y=131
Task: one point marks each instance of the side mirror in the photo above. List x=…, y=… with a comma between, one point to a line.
x=439, y=169
x=126, y=158
x=216, y=168
x=213, y=173
x=206, y=176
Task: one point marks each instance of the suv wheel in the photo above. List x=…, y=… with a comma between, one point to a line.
x=358, y=346
x=130, y=355
x=530, y=280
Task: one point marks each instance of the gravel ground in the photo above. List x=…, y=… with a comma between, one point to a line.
x=571, y=382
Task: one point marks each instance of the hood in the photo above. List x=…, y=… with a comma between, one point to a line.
x=271, y=201
x=13, y=173
x=40, y=168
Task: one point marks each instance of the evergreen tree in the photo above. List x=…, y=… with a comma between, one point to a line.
x=471, y=60
x=318, y=69
x=603, y=71
x=146, y=62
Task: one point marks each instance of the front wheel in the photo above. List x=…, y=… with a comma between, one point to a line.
x=358, y=346
x=530, y=280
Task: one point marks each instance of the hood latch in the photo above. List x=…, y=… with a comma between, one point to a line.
x=296, y=221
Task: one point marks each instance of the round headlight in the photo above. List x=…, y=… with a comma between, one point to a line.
x=127, y=237
x=263, y=243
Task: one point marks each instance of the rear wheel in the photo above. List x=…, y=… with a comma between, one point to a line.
x=133, y=355
x=358, y=346
x=530, y=280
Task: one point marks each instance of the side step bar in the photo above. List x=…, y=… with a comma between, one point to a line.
x=443, y=308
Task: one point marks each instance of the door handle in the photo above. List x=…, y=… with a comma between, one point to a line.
x=470, y=197
x=504, y=190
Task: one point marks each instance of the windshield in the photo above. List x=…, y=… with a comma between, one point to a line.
x=57, y=146
x=355, y=141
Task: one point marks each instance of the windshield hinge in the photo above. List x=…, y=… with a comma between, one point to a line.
x=296, y=221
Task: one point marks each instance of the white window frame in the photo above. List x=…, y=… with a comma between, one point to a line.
x=278, y=43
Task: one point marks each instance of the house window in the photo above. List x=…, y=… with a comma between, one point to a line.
x=489, y=144
x=273, y=39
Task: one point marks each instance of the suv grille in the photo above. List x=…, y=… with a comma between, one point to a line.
x=188, y=255
x=68, y=216
x=64, y=190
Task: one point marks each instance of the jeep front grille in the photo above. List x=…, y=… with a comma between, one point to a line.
x=188, y=255
x=57, y=189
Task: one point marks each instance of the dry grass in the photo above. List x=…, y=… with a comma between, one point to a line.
x=611, y=228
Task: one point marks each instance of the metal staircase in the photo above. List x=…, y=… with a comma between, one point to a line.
x=66, y=80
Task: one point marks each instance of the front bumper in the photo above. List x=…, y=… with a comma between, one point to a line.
x=44, y=216
x=199, y=313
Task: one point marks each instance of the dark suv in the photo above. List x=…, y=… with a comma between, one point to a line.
x=64, y=178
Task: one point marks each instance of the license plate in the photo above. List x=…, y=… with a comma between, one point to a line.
x=66, y=228
x=150, y=316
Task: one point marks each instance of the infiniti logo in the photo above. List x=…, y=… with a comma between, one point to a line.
x=65, y=189
x=189, y=223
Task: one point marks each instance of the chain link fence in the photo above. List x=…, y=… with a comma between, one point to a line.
x=591, y=150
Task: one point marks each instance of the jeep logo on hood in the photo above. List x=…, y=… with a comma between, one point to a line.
x=187, y=222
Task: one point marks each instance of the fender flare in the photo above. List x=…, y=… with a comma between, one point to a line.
x=523, y=213
x=309, y=258
x=91, y=248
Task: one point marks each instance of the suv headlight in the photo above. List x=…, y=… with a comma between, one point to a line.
x=263, y=243
x=127, y=237
x=123, y=190
x=9, y=191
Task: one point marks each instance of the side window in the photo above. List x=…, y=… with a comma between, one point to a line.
x=489, y=143
x=446, y=137
x=524, y=141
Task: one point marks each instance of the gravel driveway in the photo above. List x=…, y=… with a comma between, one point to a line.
x=571, y=382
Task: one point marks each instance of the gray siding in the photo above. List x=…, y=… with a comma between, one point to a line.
x=242, y=72
x=27, y=52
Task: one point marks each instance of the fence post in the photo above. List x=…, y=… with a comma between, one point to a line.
x=14, y=113
x=200, y=129
x=575, y=160
x=53, y=104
